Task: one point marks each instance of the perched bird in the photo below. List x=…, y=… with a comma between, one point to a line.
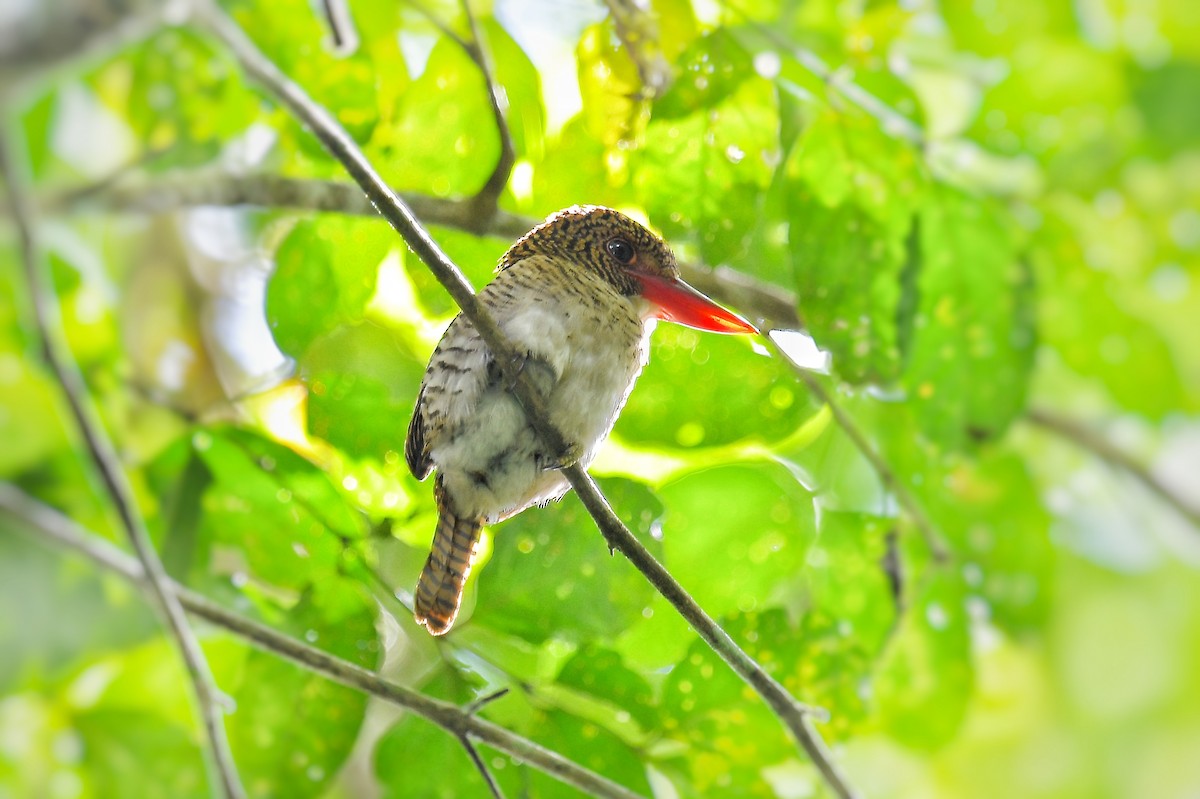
x=578, y=296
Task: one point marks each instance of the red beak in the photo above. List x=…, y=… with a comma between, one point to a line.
x=678, y=302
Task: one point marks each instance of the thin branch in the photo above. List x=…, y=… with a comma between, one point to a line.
x=483, y=206
x=56, y=528
x=485, y=201
x=341, y=26
x=771, y=305
x=1092, y=441
x=481, y=767
x=342, y=147
x=465, y=740
x=912, y=507
x=437, y=22
x=108, y=466
x=189, y=188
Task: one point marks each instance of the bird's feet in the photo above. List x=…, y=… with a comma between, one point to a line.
x=570, y=457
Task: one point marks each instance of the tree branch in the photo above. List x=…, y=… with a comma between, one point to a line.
x=108, y=466
x=341, y=26
x=912, y=507
x=65, y=533
x=340, y=145
x=1092, y=441
x=764, y=302
x=485, y=202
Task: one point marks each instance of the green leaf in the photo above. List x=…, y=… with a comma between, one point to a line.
x=709, y=72
x=737, y=554
x=138, y=754
x=699, y=175
x=294, y=729
x=924, y=683
x=443, y=140
x=570, y=587
x=850, y=209
x=972, y=337
x=708, y=391
x=992, y=512
x=1083, y=316
x=325, y=273
x=280, y=512
x=603, y=674
x=363, y=386
x=180, y=95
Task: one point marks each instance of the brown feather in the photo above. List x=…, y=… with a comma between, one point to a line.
x=440, y=587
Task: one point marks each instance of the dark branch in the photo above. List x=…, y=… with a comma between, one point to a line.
x=339, y=144
x=485, y=201
x=107, y=465
x=893, y=483
x=465, y=740
x=341, y=26
x=773, y=306
x=1088, y=439
x=56, y=528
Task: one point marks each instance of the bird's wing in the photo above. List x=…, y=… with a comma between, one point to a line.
x=462, y=368
x=416, y=448
x=456, y=376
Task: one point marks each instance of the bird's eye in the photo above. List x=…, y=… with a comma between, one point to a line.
x=621, y=250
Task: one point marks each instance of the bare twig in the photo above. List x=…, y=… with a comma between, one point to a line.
x=342, y=147
x=482, y=207
x=190, y=188
x=1091, y=440
x=108, y=467
x=933, y=539
x=63, y=532
x=465, y=740
x=485, y=201
x=771, y=305
x=341, y=26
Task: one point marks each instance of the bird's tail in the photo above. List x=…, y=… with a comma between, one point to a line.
x=440, y=586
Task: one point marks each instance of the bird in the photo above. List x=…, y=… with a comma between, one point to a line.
x=578, y=297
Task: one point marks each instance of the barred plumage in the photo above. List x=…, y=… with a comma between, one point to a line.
x=578, y=296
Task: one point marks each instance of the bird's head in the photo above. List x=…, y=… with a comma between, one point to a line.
x=635, y=261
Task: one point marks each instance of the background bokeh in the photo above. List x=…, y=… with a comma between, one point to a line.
x=986, y=216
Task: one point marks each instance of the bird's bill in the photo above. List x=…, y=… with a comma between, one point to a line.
x=678, y=302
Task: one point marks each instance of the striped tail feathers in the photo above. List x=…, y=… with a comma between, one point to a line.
x=440, y=586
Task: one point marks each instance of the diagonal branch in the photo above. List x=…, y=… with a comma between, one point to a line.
x=107, y=465
x=54, y=527
x=912, y=507
x=1088, y=439
x=338, y=19
x=341, y=146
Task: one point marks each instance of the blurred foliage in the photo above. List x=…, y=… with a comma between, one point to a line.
x=1011, y=219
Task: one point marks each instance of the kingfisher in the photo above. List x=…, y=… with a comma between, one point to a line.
x=578, y=297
